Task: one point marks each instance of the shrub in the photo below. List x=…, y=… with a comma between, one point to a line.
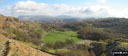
x=50, y=45
x=59, y=44
x=69, y=41
x=76, y=25
x=33, y=37
x=93, y=34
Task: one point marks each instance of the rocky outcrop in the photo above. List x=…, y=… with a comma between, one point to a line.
x=9, y=47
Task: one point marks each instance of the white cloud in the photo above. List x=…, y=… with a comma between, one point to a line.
x=33, y=8
x=119, y=12
x=63, y=9
x=96, y=11
x=1, y=10
x=4, y=11
x=102, y=1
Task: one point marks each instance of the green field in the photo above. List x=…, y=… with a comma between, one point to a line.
x=52, y=37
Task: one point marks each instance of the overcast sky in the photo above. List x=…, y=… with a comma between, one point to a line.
x=75, y=8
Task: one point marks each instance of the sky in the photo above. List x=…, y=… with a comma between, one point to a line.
x=75, y=8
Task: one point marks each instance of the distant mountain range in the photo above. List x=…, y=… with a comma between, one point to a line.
x=45, y=18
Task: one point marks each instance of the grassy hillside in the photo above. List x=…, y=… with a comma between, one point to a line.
x=19, y=38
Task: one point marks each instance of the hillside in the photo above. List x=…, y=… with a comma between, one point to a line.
x=11, y=35
x=98, y=37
